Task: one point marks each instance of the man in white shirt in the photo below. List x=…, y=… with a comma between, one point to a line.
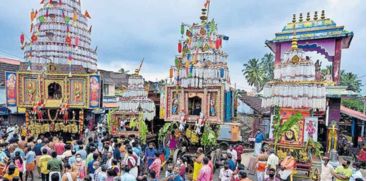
x=233, y=152
x=326, y=170
x=225, y=174
x=356, y=172
x=273, y=160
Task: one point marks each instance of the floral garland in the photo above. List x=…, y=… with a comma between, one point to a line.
x=49, y=115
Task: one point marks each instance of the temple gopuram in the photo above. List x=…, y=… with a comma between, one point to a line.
x=57, y=85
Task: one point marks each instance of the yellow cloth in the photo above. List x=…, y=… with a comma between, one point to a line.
x=197, y=167
x=235, y=133
x=343, y=171
x=15, y=174
x=42, y=164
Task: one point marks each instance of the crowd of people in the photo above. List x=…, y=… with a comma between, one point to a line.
x=98, y=158
x=104, y=158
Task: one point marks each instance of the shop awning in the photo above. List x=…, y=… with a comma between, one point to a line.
x=110, y=105
x=353, y=113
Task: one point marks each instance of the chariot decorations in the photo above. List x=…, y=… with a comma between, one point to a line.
x=57, y=84
x=295, y=92
x=199, y=84
x=134, y=109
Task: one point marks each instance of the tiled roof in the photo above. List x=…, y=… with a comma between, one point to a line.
x=353, y=113
x=254, y=102
x=9, y=61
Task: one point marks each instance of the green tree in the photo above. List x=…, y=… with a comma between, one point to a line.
x=350, y=80
x=255, y=74
x=268, y=64
x=354, y=103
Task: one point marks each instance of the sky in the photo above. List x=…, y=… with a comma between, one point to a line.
x=126, y=31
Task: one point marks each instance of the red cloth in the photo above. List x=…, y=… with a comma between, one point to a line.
x=239, y=149
x=362, y=155
x=156, y=166
x=59, y=148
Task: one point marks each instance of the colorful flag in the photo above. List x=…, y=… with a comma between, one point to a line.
x=86, y=14
x=22, y=38
x=207, y=2
x=41, y=19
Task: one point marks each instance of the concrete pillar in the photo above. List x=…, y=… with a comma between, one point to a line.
x=337, y=60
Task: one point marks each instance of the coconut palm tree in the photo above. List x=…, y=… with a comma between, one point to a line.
x=350, y=80
x=255, y=74
x=268, y=63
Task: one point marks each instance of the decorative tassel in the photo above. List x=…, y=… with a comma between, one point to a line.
x=75, y=16
x=76, y=42
x=34, y=38
x=188, y=56
x=70, y=58
x=182, y=29
x=67, y=19
x=86, y=14
x=41, y=19
x=22, y=39
x=188, y=33
x=63, y=13
x=46, y=12
x=32, y=15
x=179, y=48
x=171, y=72
x=176, y=62
x=68, y=40
x=67, y=28
x=217, y=43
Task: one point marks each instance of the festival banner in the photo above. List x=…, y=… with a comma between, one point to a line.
x=310, y=128
x=162, y=110
x=95, y=91
x=11, y=90
x=77, y=92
